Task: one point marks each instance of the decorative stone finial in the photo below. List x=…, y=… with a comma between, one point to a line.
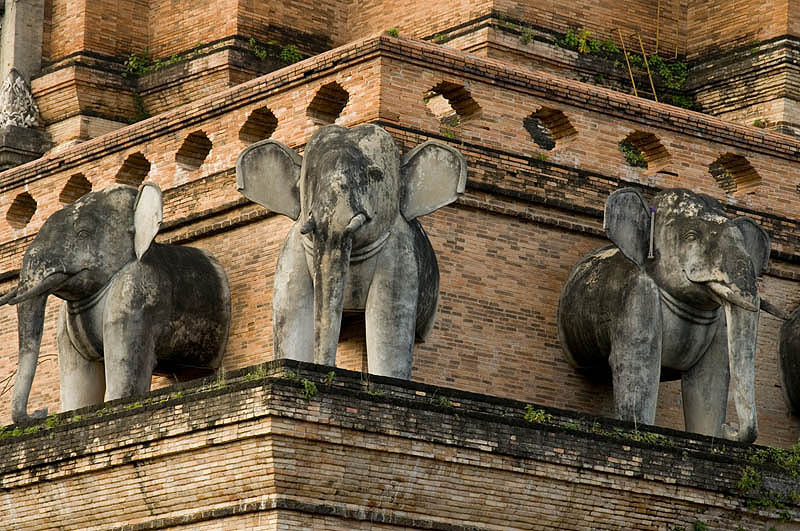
x=17, y=106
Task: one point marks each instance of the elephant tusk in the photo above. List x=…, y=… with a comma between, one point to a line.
x=765, y=305
x=49, y=284
x=355, y=223
x=726, y=294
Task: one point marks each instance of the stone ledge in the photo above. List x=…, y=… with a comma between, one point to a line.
x=349, y=410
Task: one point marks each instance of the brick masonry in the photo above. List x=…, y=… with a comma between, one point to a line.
x=262, y=448
x=504, y=249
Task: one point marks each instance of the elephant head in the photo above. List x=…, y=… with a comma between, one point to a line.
x=353, y=196
x=702, y=260
x=74, y=256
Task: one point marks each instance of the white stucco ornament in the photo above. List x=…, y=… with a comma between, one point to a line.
x=17, y=106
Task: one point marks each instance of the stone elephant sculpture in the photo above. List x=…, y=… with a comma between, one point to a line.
x=356, y=245
x=675, y=297
x=132, y=307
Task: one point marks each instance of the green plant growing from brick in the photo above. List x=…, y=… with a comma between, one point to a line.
x=392, y=32
x=51, y=421
x=536, y=416
x=633, y=156
x=290, y=54
x=749, y=481
x=699, y=525
x=329, y=378
x=138, y=65
x=525, y=35
x=258, y=50
x=259, y=373
x=444, y=401
x=220, y=383
x=440, y=38
x=788, y=460
x=309, y=388
x=541, y=157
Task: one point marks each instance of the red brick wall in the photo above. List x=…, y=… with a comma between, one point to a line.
x=324, y=20
x=64, y=28
x=119, y=27
x=416, y=18
x=179, y=26
x=723, y=24
x=504, y=249
x=603, y=17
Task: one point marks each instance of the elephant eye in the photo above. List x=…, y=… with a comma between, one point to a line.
x=374, y=173
x=84, y=233
x=690, y=236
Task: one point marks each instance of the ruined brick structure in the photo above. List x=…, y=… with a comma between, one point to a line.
x=172, y=91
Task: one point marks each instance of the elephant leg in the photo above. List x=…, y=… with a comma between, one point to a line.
x=82, y=381
x=635, y=357
x=293, y=303
x=129, y=346
x=390, y=319
x=704, y=388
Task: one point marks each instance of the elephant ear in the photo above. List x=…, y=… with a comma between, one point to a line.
x=267, y=173
x=627, y=223
x=435, y=175
x=756, y=242
x=148, y=212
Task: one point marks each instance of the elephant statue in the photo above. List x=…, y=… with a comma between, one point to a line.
x=675, y=297
x=790, y=359
x=356, y=246
x=132, y=307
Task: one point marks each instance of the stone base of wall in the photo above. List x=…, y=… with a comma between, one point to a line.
x=290, y=445
x=19, y=145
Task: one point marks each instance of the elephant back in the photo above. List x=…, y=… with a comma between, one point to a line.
x=200, y=314
x=588, y=299
x=790, y=360
x=428, y=269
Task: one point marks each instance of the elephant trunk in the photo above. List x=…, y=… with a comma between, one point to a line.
x=331, y=272
x=30, y=296
x=30, y=316
x=330, y=279
x=742, y=325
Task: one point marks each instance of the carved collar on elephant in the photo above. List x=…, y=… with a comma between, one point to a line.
x=76, y=307
x=356, y=255
x=689, y=313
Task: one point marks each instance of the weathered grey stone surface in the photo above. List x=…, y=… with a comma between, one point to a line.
x=790, y=360
x=689, y=312
x=356, y=246
x=21, y=38
x=132, y=307
x=19, y=145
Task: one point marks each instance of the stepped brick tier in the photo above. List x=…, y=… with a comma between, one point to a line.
x=286, y=445
x=504, y=248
